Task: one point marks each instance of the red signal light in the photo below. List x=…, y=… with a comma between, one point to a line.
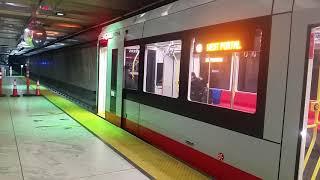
x=45, y=8
x=103, y=42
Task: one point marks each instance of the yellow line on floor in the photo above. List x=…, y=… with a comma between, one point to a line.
x=152, y=160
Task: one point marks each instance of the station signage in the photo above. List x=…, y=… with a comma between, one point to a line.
x=219, y=46
x=223, y=46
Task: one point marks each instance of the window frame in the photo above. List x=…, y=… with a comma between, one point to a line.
x=242, y=122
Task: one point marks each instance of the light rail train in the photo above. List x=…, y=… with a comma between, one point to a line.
x=229, y=87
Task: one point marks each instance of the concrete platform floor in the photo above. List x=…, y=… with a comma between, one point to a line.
x=40, y=142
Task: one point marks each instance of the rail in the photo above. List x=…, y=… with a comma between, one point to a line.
x=70, y=97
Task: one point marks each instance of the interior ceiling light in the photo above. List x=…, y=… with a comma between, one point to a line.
x=199, y=48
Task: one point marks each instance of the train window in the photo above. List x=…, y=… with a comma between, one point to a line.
x=222, y=74
x=162, y=68
x=131, y=67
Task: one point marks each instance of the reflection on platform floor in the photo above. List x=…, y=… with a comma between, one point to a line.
x=40, y=142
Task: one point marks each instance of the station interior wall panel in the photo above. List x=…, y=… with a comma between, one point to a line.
x=72, y=65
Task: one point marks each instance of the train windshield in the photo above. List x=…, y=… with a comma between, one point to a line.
x=222, y=74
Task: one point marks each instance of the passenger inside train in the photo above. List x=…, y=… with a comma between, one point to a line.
x=198, y=89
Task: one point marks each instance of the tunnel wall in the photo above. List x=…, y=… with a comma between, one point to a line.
x=71, y=65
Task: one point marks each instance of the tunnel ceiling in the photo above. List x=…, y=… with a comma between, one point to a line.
x=58, y=17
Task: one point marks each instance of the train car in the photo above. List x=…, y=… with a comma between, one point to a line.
x=229, y=87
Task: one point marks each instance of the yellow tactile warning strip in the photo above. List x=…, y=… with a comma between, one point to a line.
x=150, y=159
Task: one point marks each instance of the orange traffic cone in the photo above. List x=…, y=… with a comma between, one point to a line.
x=15, y=90
x=28, y=85
x=38, y=89
x=28, y=94
x=1, y=95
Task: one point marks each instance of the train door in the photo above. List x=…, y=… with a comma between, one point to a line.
x=102, y=77
x=310, y=151
x=114, y=83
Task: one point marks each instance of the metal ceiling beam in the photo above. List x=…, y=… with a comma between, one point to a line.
x=21, y=2
x=98, y=4
x=14, y=14
x=133, y=13
x=8, y=33
x=6, y=37
x=10, y=42
x=64, y=19
x=23, y=15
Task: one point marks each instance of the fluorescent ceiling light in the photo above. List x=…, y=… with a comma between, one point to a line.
x=60, y=14
x=15, y=4
x=72, y=40
x=67, y=25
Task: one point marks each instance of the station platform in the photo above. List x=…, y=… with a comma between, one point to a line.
x=51, y=138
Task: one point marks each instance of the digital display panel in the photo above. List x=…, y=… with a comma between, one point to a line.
x=223, y=46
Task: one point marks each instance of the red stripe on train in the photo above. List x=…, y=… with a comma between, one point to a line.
x=197, y=159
